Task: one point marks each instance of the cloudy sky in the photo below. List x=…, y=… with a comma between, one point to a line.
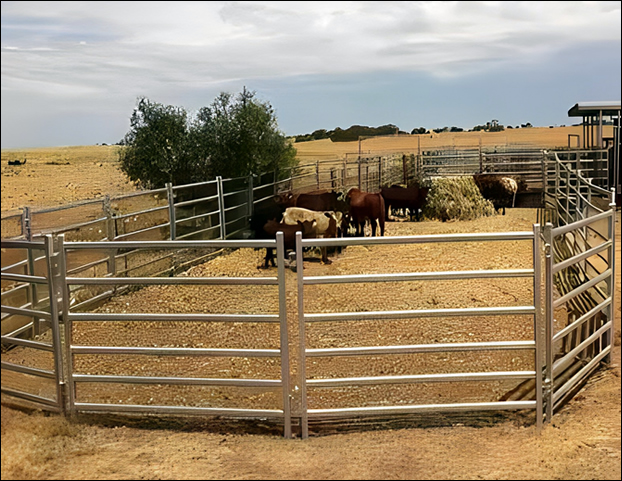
x=73, y=71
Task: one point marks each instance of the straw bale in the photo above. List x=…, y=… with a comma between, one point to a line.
x=456, y=198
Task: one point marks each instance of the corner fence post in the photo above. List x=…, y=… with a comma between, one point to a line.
x=171, y=211
x=53, y=268
x=537, y=323
x=611, y=282
x=549, y=314
x=221, y=208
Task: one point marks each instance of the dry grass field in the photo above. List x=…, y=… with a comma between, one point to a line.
x=582, y=442
x=538, y=137
x=60, y=175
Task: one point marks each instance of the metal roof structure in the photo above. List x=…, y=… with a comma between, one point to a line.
x=593, y=113
x=583, y=109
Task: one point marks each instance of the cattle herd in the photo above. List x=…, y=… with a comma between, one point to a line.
x=332, y=214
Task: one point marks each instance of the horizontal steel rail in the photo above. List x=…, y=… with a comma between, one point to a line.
x=50, y=404
x=19, y=311
x=418, y=276
x=16, y=341
x=583, y=372
x=196, y=201
x=411, y=314
x=563, y=361
x=154, y=409
x=407, y=379
x=581, y=320
x=174, y=245
x=582, y=288
x=136, y=213
x=420, y=348
x=581, y=256
x=31, y=371
x=178, y=381
x=425, y=408
x=8, y=276
x=176, y=351
x=557, y=231
x=419, y=239
x=230, y=281
x=81, y=316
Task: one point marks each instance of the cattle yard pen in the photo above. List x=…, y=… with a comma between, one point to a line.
x=56, y=278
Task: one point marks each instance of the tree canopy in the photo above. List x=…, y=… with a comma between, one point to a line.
x=233, y=137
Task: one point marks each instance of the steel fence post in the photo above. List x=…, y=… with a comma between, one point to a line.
x=221, y=208
x=549, y=314
x=171, y=211
x=284, y=338
x=537, y=325
x=302, y=370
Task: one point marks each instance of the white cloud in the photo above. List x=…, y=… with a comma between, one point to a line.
x=109, y=52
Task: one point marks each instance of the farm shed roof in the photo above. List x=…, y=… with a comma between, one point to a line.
x=582, y=109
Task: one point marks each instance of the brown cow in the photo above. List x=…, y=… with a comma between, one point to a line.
x=363, y=206
x=308, y=229
x=499, y=189
x=318, y=201
x=397, y=197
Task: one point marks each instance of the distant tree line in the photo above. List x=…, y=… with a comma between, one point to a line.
x=357, y=131
x=349, y=134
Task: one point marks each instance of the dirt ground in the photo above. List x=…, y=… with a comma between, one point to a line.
x=581, y=442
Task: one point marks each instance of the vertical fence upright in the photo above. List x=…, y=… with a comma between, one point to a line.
x=55, y=289
x=537, y=321
x=549, y=313
x=302, y=346
x=171, y=211
x=284, y=337
x=221, y=208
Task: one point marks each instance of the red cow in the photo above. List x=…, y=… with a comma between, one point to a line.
x=363, y=206
x=412, y=198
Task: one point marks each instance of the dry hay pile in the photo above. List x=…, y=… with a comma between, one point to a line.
x=456, y=198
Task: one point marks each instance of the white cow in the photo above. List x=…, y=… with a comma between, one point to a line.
x=326, y=222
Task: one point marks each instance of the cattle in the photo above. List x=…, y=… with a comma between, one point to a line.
x=318, y=201
x=363, y=206
x=499, y=189
x=326, y=223
x=308, y=229
x=397, y=197
x=321, y=201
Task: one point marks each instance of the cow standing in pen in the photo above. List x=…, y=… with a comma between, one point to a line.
x=363, y=206
x=499, y=189
x=412, y=198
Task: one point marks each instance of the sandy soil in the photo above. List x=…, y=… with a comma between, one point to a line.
x=582, y=442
